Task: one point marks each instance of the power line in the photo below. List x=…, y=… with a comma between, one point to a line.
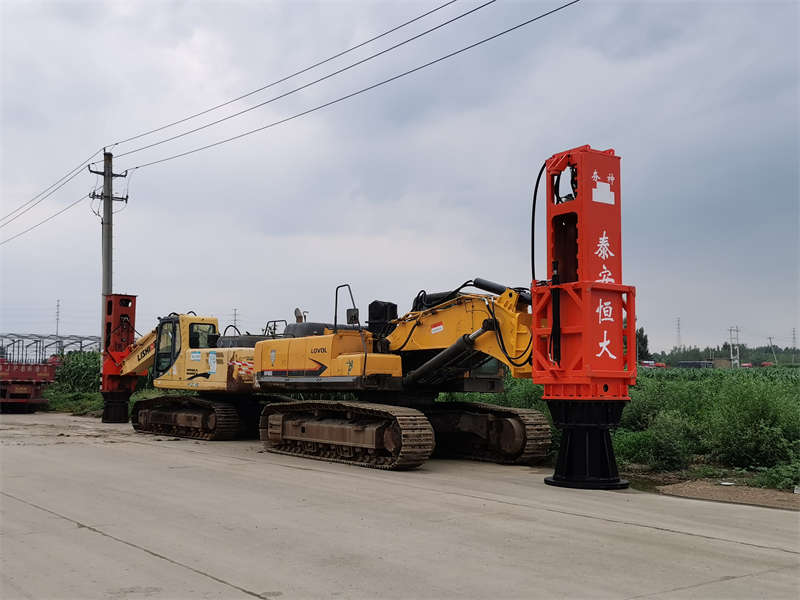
x=287, y=77
x=761, y=334
x=358, y=92
x=307, y=85
x=311, y=110
x=53, y=216
x=48, y=191
x=73, y=173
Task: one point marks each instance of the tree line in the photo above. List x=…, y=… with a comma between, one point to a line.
x=747, y=354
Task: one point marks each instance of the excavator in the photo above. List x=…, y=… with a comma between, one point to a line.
x=367, y=394
x=375, y=386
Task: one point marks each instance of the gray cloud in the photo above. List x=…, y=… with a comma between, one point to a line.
x=423, y=183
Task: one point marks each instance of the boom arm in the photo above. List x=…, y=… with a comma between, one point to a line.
x=497, y=326
x=141, y=355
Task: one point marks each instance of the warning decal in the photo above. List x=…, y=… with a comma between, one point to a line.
x=437, y=327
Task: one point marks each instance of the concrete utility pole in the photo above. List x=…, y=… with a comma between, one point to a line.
x=772, y=347
x=107, y=225
x=734, y=346
x=58, y=313
x=679, y=343
x=235, y=315
x=794, y=345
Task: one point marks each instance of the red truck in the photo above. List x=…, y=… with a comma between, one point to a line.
x=21, y=384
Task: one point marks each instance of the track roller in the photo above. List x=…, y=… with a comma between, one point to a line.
x=186, y=416
x=490, y=433
x=357, y=433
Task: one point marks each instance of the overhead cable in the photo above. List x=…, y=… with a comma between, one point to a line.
x=309, y=84
x=66, y=178
x=314, y=109
x=356, y=93
x=42, y=222
x=287, y=77
x=72, y=173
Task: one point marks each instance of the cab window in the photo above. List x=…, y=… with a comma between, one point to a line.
x=167, y=347
x=198, y=334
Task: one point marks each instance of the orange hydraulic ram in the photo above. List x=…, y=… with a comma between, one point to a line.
x=583, y=318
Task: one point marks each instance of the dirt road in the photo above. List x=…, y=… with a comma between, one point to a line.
x=94, y=511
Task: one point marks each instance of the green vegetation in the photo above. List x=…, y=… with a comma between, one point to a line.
x=77, y=385
x=79, y=372
x=783, y=476
x=706, y=422
x=642, y=351
x=742, y=418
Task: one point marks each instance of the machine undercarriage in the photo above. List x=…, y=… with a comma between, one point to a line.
x=370, y=434
x=196, y=417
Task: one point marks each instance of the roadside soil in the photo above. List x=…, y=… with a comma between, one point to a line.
x=710, y=489
x=674, y=484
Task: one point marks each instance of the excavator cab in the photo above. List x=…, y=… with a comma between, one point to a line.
x=168, y=345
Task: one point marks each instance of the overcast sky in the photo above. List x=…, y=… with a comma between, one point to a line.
x=422, y=183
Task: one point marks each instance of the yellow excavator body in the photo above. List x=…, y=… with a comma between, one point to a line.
x=344, y=353
x=393, y=369
x=348, y=353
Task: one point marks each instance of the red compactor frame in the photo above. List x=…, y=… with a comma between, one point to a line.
x=583, y=321
x=119, y=316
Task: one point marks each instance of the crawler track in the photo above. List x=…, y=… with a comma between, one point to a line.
x=186, y=416
x=410, y=434
x=531, y=425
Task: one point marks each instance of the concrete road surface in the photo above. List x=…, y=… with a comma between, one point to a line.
x=94, y=511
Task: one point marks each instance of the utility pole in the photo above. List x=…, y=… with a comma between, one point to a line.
x=58, y=313
x=734, y=346
x=107, y=225
x=772, y=347
x=678, y=332
x=794, y=345
x=235, y=314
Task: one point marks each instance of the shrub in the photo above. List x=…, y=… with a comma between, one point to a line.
x=741, y=418
x=665, y=446
x=671, y=444
x=77, y=403
x=632, y=446
x=753, y=423
x=783, y=477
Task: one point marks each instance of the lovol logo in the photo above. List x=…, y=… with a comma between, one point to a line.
x=322, y=350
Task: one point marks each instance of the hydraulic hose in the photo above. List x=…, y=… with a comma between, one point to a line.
x=533, y=221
